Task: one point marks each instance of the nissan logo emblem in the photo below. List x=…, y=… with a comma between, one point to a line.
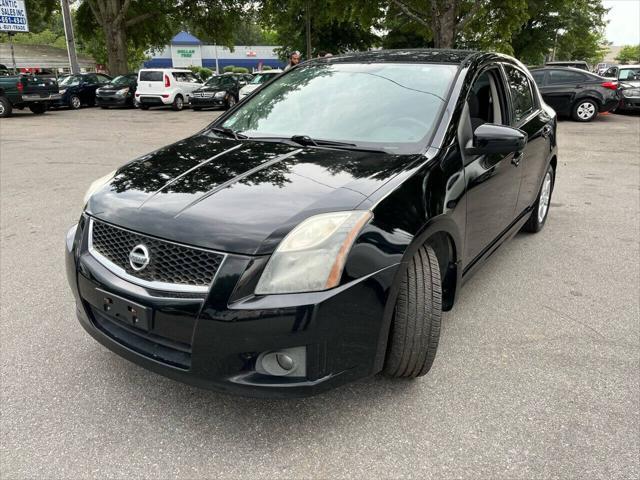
x=139, y=257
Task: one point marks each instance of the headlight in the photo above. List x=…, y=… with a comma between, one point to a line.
x=312, y=256
x=220, y=94
x=631, y=92
x=122, y=91
x=97, y=185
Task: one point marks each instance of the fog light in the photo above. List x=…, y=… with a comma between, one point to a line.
x=288, y=361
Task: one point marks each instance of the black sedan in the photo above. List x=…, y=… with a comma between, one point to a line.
x=576, y=93
x=79, y=90
x=220, y=91
x=119, y=92
x=279, y=253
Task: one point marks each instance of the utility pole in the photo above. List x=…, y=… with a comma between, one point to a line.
x=308, y=30
x=13, y=54
x=68, y=33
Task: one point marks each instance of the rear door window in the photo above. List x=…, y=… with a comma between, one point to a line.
x=151, y=76
x=521, y=93
x=558, y=77
x=538, y=77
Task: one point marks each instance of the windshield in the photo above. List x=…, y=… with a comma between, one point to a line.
x=628, y=73
x=121, y=80
x=261, y=78
x=384, y=105
x=219, y=81
x=71, y=81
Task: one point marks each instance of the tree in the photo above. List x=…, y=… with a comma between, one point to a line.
x=629, y=54
x=39, y=13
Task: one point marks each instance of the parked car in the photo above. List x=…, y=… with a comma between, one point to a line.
x=258, y=79
x=569, y=63
x=601, y=68
x=629, y=78
x=576, y=93
x=166, y=86
x=219, y=91
x=311, y=236
x=119, y=92
x=20, y=91
x=80, y=89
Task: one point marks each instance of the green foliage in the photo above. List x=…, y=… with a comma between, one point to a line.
x=265, y=68
x=228, y=69
x=202, y=72
x=629, y=54
x=40, y=13
x=45, y=37
x=574, y=27
x=240, y=70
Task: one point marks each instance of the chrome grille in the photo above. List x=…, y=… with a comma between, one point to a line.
x=203, y=94
x=170, y=264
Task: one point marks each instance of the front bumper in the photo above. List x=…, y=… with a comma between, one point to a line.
x=208, y=102
x=214, y=342
x=631, y=104
x=113, y=101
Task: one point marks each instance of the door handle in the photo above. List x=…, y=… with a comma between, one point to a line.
x=516, y=158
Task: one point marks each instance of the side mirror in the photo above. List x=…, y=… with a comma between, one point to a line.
x=489, y=138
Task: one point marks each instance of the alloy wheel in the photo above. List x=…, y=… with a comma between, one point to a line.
x=545, y=196
x=1, y=109
x=75, y=102
x=586, y=110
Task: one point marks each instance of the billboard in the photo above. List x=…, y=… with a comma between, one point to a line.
x=13, y=16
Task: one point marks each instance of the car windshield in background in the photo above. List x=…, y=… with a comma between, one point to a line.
x=382, y=105
x=71, y=81
x=261, y=78
x=151, y=76
x=121, y=80
x=628, y=73
x=216, y=81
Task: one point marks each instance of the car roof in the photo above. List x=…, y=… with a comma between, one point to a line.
x=416, y=55
x=627, y=66
x=565, y=62
x=559, y=67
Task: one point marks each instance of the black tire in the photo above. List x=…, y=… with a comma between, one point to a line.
x=74, y=102
x=5, y=107
x=38, y=108
x=415, y=328
x=196, y=109
x=178, y=103
x=584, y=110
x=144, y=107
x=104, y=107
x=538, y=219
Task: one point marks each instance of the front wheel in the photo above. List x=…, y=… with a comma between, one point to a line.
x=584, y=110
x=541, y=208
x=415, y=328
x=74, y=102
x=38, y=108
x=178, y=103
x=231, y=102
x=5, y=107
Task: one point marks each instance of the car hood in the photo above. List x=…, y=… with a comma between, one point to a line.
x=630, y=83
x=211, y=89
x=238, y=196
x=249, y=88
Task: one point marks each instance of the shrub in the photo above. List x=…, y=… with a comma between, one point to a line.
x=205, y=72
x=240, y=70
x=265, y=68
x=228, y=69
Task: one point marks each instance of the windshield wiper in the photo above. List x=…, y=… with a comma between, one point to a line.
x=229, y=132
x=307, y=141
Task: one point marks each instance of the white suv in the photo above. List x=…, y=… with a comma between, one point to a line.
x=165, y=86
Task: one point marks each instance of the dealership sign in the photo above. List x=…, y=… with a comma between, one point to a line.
x=13, y=16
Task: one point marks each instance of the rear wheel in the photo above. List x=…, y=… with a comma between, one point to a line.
x=584, y=110
x=38, y=108
x=178, y=103
x=541, y=208
x=415, y=330
x=74, y=102
x=5, y=107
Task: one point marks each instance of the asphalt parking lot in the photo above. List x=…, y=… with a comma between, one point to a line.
x=537, y=374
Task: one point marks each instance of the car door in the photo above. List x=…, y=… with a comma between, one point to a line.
x=528, y=116
x=493, y=180
x=88, y=91
x=560, y=89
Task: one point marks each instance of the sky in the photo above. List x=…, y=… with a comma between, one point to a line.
x=624, y=21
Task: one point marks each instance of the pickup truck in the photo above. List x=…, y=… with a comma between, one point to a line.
x=19, y=91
